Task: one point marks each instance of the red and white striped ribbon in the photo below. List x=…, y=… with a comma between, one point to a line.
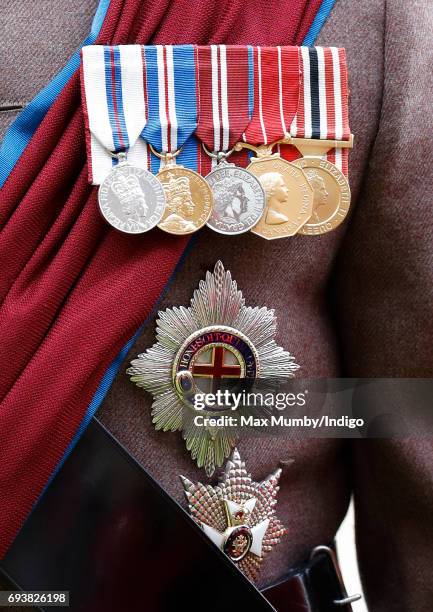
x=276, y=93
x=223, y=86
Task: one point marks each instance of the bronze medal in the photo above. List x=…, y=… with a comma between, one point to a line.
x=331, y=195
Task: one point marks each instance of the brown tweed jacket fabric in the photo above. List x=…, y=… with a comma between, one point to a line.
x=356, y=302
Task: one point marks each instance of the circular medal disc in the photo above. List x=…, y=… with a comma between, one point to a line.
x=289, y=197
x=131, y=199
x=239, y=199
x=331, y=195
x=212, y=355
x=189, y=200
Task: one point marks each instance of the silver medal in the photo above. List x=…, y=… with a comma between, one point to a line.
x=131, y=199
x=239, y=199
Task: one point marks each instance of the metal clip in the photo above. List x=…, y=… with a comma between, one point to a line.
x=220, y=156
x=121, y=156
x=308, y=147
x=347, y=599
x=263, y=150
x=316, y=147
x=168, y=158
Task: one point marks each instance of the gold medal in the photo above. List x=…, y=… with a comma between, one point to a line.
x=289, y=198
x=189, y=200
x=331, y=188
x=289, y=195
x=188, y=196
x=331, y=195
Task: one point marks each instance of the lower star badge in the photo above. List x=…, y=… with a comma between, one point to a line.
x=215, y=339
x=238, y=515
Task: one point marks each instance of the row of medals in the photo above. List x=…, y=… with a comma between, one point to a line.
x=272, y=197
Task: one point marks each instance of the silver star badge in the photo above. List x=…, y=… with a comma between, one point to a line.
x=215, y=339
x=238, y=515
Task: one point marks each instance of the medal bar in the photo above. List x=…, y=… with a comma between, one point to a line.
x=169, y=111
x=315, y=146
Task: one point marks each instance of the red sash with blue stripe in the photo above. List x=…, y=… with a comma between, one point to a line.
x=73, y=291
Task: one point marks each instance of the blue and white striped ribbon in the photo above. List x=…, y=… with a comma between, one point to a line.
x=172, y=104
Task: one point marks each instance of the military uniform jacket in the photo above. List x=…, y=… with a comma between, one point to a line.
x=355, y=302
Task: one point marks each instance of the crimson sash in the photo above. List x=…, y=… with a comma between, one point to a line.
x=73, y=291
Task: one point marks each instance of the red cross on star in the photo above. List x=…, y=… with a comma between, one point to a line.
x=217, y=368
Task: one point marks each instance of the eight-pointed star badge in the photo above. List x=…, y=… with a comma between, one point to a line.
x=238, y=515
x=217, y=339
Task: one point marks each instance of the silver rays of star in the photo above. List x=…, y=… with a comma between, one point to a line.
x=217, y=301
x=206, y=506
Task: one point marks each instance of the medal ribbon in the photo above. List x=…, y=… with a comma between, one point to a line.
x=323, y=111
x=223, y=92
x=114, y=103
x=172, y=112
x=276, y=93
